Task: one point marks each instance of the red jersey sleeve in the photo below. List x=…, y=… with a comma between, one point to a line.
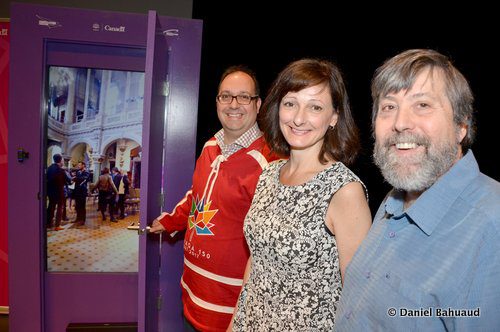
x=177, y=219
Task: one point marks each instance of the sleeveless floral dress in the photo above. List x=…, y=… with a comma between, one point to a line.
x=295, y=281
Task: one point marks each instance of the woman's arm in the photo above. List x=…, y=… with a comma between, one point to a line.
x=349, y=219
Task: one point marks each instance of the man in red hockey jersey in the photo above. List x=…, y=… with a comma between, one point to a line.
x=213, y=210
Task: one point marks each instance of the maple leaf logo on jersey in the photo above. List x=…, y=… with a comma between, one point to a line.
x=200, y=216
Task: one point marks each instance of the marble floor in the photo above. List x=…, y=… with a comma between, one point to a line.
x=96, y=246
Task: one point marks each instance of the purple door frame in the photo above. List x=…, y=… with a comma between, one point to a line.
x=42, y=301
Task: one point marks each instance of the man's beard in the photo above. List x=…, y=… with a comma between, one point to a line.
x=418, y=172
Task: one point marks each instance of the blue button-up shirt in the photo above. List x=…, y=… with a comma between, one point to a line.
x=432, y=267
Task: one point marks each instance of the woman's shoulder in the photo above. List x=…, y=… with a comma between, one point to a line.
x=340, y=168
x=344, y=175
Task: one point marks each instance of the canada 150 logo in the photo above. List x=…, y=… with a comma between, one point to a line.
x=200, y=216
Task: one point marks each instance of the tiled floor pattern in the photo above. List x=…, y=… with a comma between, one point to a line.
x=97, y=246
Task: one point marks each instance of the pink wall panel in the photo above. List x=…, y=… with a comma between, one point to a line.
x=4, y=79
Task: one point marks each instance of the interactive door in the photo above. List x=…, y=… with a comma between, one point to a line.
x=105, y=91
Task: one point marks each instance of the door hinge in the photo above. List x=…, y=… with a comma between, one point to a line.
x=166, y=88
x=159, y=302
x=161, y=199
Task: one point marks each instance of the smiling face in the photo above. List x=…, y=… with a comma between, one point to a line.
x=305, y=116
x=416, y=139
x=235, y=118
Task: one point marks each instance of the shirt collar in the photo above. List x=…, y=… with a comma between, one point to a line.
x=243, y=141
x=440, y=196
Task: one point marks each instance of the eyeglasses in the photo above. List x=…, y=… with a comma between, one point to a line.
x=241, y=99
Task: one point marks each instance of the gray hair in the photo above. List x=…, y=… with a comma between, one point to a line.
x=399, y=73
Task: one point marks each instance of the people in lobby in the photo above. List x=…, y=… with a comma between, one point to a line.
x=56, y=181
x=81, y=179
x=107, y=192
x=122, y=184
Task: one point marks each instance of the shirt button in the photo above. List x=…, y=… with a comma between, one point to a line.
x=368, y=275
x=348, y=314
x=392, y=234
x=387, y=276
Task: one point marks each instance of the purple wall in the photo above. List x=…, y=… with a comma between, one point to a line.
x=94, y=297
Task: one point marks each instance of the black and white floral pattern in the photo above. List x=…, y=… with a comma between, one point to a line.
x=295, y=280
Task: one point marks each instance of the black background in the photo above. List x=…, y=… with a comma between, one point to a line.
x=357, y=35
x=358, y=38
